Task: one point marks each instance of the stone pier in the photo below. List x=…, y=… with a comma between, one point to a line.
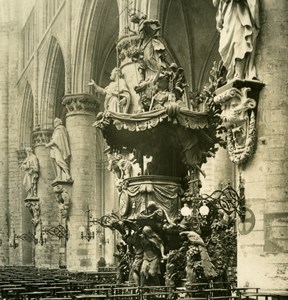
x=81, y=254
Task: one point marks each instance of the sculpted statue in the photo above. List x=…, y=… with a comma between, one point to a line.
x=134, y=242
x=31, y=168
x=162, y=95
x=149, y=56
x=151, y=50
x=153, y=249
x=238, y=24
x=154, y=217
x=60, y=151
x=117, y=95
x=120, y=166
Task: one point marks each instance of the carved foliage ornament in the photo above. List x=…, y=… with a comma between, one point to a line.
x=63, y=200
x=80, y=103
x=239, y=119
x=34, y=209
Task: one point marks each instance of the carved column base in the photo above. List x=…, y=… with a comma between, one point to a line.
x=238, y=100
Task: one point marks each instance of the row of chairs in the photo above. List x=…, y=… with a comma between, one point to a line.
x=32, y=283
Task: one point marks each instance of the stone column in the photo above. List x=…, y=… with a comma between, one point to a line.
x=4, y=233
x=27, y=248
x=81, y=254
x=47, y=254
x=262, y=254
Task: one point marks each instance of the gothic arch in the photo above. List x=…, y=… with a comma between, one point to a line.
x=26, y=118
x=192, y=46
x=95, y=42
x=53, y=88
x=26, y=126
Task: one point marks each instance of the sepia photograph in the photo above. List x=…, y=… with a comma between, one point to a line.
x=143, y=149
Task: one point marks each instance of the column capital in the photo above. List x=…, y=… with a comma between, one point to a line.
x=41, y=137
x=80, y=104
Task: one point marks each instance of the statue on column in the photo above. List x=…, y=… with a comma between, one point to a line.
x=31, y=168
x=238, y=24
x=117, y=95
x=60, y=151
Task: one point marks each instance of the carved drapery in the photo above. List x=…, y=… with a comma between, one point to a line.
x=148, y=120
x=80, y=104
x=138, y=191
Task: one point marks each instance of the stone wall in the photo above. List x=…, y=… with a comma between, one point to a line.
x=262, y=255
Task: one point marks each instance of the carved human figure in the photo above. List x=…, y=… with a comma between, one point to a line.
x=238, y=24
x=122, y=257
x=178, y=81
x=120, y=166
x=60, y=151
x=150, y=54
x=162, y=95
x=117, y=95
x=31, y=168
x=134, y=242
x=155, y=217
x=153, y=249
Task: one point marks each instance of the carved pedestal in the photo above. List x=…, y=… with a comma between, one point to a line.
x=34, y=208
x=47, y=254
x=238, y=100
x=82, y=136
x=63, y=190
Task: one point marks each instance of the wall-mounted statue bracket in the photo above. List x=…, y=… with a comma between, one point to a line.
x=34, y=208
x=238, y=100
x=62, y=190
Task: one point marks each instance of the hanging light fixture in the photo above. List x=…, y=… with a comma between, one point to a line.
x=185, y=210
x=204, y=209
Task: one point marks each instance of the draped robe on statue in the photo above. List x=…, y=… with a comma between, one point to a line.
x=238, y=24
x=60, y=150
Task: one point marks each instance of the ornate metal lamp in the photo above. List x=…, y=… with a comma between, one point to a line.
x=28, y=237
x=227, y=199
x=87, y=233
x=59, y=231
